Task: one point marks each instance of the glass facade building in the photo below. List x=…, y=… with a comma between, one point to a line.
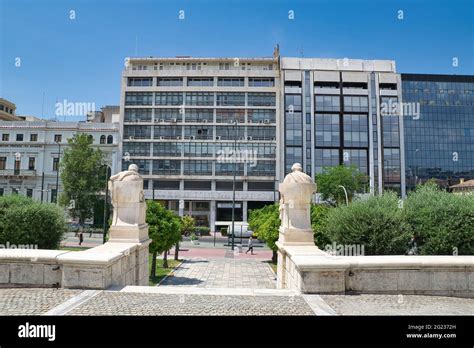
x=334, y=115
x=439, y=141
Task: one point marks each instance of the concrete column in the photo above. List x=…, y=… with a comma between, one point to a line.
x=213, y=216
x=244, y=211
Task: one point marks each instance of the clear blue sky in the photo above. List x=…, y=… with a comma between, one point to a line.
x=81, y=60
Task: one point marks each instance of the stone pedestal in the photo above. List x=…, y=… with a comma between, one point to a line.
x=295, y=214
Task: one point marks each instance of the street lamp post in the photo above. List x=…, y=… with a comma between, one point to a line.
x=233, y=183
x=105, y=202
x=416, y=169
x=57, y=171
x=345, y=192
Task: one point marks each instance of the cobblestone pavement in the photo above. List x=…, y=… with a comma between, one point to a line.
x=223, y=273
x=119, y=303
x=367, y=304
x=176, y=300
x=18, y=301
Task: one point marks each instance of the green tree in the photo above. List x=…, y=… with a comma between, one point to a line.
x=187, y=226
x=82, y=176
x=24, y=221
x=164, y=229
x=329, y=183
x=265, y=223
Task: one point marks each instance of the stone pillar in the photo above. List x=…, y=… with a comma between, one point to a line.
x=129, y=218
x=296, y=192
x=128, y=223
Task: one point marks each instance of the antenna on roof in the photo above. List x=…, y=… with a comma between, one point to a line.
x=136, y=45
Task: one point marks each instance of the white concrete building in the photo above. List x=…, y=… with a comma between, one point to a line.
x=177, y=119
x=29, y=153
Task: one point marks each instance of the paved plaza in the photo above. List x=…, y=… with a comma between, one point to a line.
x=176, y=300
x=223, y=273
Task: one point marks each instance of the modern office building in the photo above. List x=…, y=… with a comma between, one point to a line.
x=30, y=154
x=338, y=111
x=182, y=118
x=439, y=142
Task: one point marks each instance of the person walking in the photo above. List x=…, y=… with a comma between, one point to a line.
x=250, y=246
x=81, y=238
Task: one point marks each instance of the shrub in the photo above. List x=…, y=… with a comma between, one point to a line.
x=27, y=222
x=202, y=230
x=223, y=231
x=375, y=223
x=440, y=221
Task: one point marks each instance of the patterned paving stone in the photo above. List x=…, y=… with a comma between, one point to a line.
x=367, y=304
x=223, y=273
x=117, y=303
x=18, y=301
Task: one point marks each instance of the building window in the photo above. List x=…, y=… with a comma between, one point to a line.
x=198, y=167
x=19, y=137
x=140, y=81
x=199, y=98
x=136, y=149
x=29, y=192
x=31, y=163
x=356, y=104
x=167, y=149
x=224, y=66
x=166, y=167
x=199, y=115
x=5, y=137
x=261, y=99
x=102, y=139
x=230, y=99
x=169, y=98
x=230, y=115
x=261, y=82
x=230, y=81
x=33, y=137
x=261, y=116
x=327, y=103
x=327, y=130
x=200, y=82
x=169, y=82
x=138, y=98
x=137, y=115
x=2, y=191
x=137, y=132
x=110, y=139
x=356, y=131
x=3, y=163
x=55, y=164
x=58, y=138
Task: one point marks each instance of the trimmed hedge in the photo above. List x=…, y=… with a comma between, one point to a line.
x=27, y=222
